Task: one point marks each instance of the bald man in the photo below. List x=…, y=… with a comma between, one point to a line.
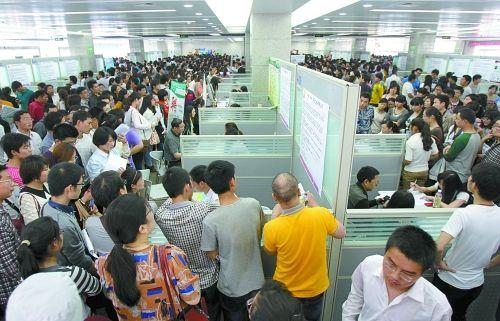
x=297, y=236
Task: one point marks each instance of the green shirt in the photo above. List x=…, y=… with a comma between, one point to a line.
x=462, y=153
x=24, y=98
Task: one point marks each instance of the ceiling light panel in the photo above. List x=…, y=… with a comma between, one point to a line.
x=233, y=20
x=317, y=8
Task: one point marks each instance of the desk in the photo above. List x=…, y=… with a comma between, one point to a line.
x=417, y=195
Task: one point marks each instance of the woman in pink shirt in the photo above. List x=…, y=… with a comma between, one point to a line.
x=17, y=147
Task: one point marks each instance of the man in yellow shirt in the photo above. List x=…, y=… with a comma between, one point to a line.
x=297, y=236
x=377, y=90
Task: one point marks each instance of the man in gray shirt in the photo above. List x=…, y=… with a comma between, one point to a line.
x=172, y=145
x=232, y=234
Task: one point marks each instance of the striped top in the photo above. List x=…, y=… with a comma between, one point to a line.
x=154, y=304
x=14, y=174
x=85, y=282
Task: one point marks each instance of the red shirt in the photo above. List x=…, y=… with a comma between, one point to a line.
x=36, y=109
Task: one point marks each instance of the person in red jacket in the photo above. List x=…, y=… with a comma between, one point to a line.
x=36, y=107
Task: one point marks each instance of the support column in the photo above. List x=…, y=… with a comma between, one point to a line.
x=270, y=36
x=420, y=44
x=162, y=46
x=137, y=47
x=358, y=47
x=247, y=47
x=82, y=46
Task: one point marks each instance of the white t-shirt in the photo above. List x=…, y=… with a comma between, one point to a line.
x=85, y=148
x=417, y=155
x=407, y=89
x=477, y=238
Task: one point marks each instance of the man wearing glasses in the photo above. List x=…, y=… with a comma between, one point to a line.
x=9, y=268
x=391, y=287
x=65, y=184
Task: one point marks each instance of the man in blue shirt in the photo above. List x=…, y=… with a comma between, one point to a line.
x=365, y=114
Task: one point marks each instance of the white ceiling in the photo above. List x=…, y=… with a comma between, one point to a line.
x=37, y=19
x=42, y=19
x=457, y=18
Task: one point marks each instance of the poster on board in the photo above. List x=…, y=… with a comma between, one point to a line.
x=297, y=59
x=177, y=100
x=313, y=129
x=460, y=66
x=483, y=67
x=48, y=70
x=285, y=84
x=20, y=72
x=72, y=67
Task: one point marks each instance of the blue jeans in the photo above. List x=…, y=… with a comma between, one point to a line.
x=312, y=307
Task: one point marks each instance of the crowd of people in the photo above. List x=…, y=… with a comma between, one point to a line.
x=72, y=204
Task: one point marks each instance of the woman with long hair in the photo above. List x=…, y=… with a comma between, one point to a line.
x=434, y=119
x=399, y=113
x=140, y=277
x=393, y=91
x=153, y=115
x=134, y=119
x=452, y=190
x=41, y=243
x=420, y=147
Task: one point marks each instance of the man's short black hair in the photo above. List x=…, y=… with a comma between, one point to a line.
x=63, y=175
x=468, y=114
x=102, y=135
x=174, y=181
x=412, y=77
x=12, y=142
x=80, y=115
x=198, y=173
x=366, y=95
x=460, y=89
x=476, y=77
x=16, y=85
x=435, y=71
x=444, y=99
x=467, y=78
x=39, y=93
x=63, y=131
x=19, y=114
x=417, y=101
x=367, y=172
x=48, y=106
x=31, y=168
x=416, y=244
x=176, y=122
x=487, y=180
x=79, y=90
x=218, y=176
x=90, y=84
x=52, y=119
x=106, y=187
x=401, y=199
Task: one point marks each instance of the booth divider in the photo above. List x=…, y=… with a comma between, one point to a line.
x=250, y=120
x=257, y=159
x=243, y=99
x=368, y=231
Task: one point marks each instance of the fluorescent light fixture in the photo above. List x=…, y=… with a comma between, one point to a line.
x=326, y=19
x=297, y=28
x=305, y=26
x=342, y=14
x=214, y=34
x=230, y=39
x=210, y=23
x=314, y=23
x=317, y=8
x=204, y=19
x=406, y=22
x=188, y=6
x=368, y=5
x=299, y=34
x=199, y=14
x=172, y=35
x=214, y=26
x=233, y=20
x=438, y=11
x=69, y=13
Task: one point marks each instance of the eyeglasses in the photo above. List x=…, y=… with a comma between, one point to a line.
x=404, y=276
x=8, y=180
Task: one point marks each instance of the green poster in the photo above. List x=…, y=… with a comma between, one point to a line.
x=274, y=84
x=177, y=100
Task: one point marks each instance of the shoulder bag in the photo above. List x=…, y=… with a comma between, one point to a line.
x=189, y=313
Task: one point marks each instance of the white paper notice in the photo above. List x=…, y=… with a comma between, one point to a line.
x=19, y=72
x=115, y=162
x=285, y=83
x=313, y=130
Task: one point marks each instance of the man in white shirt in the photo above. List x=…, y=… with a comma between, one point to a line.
x=83, y=123
x=24, y=124
x=475, y=231
x=408, y=91
x=465, y=82
x=391, y=287
x=200, y=185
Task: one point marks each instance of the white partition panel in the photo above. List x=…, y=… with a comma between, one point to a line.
x=250, y=120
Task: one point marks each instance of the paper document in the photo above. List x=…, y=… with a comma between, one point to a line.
x=115, y=162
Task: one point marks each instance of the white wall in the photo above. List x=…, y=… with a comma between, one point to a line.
x=303, y=46
x=225, y=46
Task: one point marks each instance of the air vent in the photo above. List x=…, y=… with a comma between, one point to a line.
x=408, y=5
